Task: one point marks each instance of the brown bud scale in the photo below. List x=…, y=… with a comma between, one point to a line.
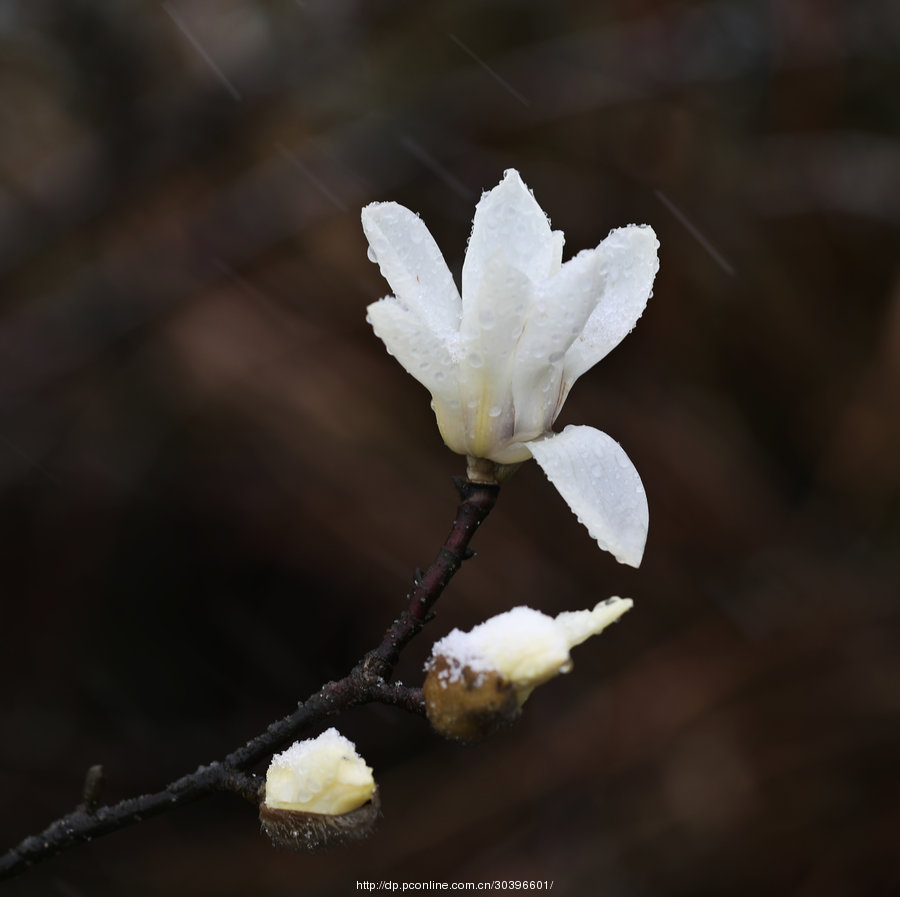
x=465, y=705
x=310, y=832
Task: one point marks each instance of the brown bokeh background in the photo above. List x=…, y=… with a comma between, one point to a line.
x=216, y=484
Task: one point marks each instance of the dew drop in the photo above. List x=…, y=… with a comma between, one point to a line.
x=370, y=253
x=495, y=411
x=475, y=360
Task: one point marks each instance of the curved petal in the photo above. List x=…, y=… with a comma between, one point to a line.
x=488, y=335
x=555, y=319
x=425, y=354
x=628, y=263
x=599, y=483
x=509, y=220
x=493, y=318
x=412, y=264
x=563, y=304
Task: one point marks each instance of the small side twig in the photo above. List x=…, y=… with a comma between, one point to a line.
x=84, y=824
x=93, y=786
x=368, y=681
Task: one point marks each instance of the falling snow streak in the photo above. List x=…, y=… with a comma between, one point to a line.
x=695, y=232
x=316, y=182
x=440, y=171
x=182, y=27
x=501, y=81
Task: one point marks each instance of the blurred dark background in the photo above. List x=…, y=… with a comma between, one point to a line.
x=215, y=484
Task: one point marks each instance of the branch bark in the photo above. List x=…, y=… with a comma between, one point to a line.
x=368, y=681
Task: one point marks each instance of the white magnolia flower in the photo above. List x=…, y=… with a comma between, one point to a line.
x=500, y=360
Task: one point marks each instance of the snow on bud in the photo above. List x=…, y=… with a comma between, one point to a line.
x=478, y=681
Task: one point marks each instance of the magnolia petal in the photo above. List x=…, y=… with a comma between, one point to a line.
x=599, y=483
x=425, y=354
x=450, y=421
x=628, y=263
x=412, y=264
x=490, y=328
x=559, y=240
x=509, y=220
x=493, y=317
x=556, y=317
x=565, y=302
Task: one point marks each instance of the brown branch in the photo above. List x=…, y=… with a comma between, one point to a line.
x=84, y=824
x=367, y=682
x=477, y=501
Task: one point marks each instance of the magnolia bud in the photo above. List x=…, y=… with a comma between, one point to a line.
x=478, y=681
x=466, y=705
x=319, y=793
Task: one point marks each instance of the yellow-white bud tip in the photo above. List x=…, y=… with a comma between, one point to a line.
x=580, y=625
x=322, y=775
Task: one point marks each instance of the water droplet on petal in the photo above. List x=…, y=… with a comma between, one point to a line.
x=495, y=411
x=475, y=360
x=370, y=253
